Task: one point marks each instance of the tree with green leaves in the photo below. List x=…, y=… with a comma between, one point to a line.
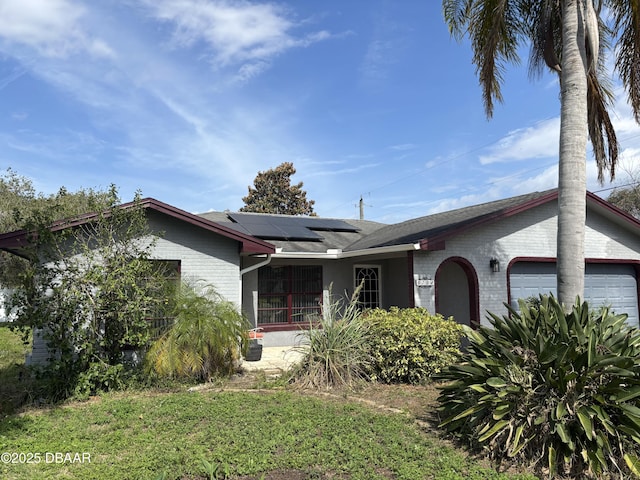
x=89, y=288
x=627, y=199
x=569, y=37
x=21, y=205
x=272, y=192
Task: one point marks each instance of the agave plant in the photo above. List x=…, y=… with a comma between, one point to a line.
x=335, y=349
x=561, y=391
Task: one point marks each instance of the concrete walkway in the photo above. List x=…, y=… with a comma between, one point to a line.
x=274, y=360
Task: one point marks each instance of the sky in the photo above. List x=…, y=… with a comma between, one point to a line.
x=187, y=100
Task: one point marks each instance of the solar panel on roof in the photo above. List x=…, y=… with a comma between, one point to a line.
x=235, y=226
x=281, y=227
x=273, y=232
x=301, y=233
x=264, y=231
x=332, y=225
x=247, y=219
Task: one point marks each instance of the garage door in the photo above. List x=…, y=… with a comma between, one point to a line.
x=604, y=284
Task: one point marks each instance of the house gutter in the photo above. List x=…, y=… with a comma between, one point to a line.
x=256, y=266
x=244, y=271
x=336, y=254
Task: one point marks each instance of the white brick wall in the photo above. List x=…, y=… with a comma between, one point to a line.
x=529, y=234
x=205, y=257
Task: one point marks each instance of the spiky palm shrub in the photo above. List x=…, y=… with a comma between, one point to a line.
x=335, y=349
x=206, y=339
x=558, y=390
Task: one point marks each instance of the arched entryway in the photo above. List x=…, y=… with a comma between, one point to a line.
x=456, y=287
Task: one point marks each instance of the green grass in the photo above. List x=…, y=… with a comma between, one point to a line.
x=247, y=434
x=139, y=436
x=12, y=356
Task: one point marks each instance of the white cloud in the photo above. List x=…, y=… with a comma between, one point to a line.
x=51, y=27
x=250, y=70
x=403, y=146
x=343, y=171
x=11, y=76
x=539, y=141
x=233, y=32
x=447, y=204
x=540, y=182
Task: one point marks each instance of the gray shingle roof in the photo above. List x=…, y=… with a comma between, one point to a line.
x=434, y=226
x=372, y=234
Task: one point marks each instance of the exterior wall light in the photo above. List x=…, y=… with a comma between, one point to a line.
x=494, y=264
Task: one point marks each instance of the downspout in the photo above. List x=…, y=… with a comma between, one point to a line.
x=244, y=271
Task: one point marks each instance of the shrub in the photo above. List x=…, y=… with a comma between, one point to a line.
x=87, y=291
x=410, y=345
x=336, y=348
x=553, y=389
x=102, y=377
x=206, y=340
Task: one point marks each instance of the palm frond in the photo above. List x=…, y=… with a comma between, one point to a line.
x=626, y=23
x=206, y=339
x=545, y=33
x=496, y=29
x=601, y=132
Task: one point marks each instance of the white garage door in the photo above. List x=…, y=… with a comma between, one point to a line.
x=604, y=284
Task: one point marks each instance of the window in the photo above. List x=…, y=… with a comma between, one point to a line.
x=289, y=294
x=169, y=270
x=369, y=277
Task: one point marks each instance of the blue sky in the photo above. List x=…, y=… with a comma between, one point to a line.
x=187, y=100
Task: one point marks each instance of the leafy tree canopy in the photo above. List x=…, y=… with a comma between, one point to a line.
x=628, y=199
x=22, y=207
x=90, y=291
x=273, y=193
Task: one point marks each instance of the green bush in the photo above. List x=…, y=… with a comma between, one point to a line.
x=335, y=349
x=101, y=377
x=557, y=390
x=410, y=345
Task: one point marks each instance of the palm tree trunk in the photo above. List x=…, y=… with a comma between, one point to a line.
x=572, y=183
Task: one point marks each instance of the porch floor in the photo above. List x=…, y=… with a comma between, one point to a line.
x=274, y=360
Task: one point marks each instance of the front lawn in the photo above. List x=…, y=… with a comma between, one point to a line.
x=242, y=433
x=247, y=434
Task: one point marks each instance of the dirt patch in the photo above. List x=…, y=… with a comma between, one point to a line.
x=414, y=400
x=289, y=474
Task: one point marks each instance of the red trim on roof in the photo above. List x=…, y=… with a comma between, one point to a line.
x=432, y=244
x=614, y=210
x=437, y=241
x=249, y=243
x=17, y=240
